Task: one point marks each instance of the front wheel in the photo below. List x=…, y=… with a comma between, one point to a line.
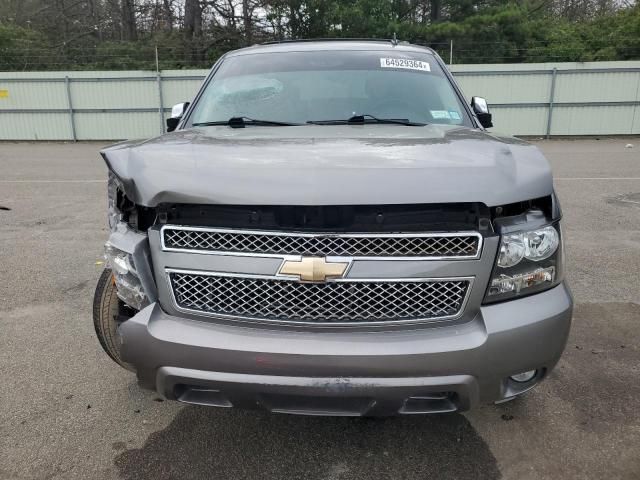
x=108, y=313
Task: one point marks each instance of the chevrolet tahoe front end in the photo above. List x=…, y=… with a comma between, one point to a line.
x=319, y=266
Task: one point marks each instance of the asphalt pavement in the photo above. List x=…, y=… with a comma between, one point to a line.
x=68, y=412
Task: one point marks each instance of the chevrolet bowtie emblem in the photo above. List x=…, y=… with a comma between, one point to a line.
x=314, y=269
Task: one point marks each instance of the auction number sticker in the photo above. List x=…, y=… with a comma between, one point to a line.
x=405, y=63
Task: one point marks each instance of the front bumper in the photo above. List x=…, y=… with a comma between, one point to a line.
x=420, y=370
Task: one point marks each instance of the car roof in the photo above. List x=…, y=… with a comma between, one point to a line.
x=330, y=44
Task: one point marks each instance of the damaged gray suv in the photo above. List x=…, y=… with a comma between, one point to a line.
x=329, y=229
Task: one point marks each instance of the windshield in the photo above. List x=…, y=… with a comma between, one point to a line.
x=317, y=86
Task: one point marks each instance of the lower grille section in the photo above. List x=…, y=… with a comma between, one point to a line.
x=352, y=302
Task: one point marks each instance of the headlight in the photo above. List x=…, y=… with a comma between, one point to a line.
x=516, y=283
x=534, y=245
x=540, y=244
x=529, y=261
x=512, y=250
x=128, y=285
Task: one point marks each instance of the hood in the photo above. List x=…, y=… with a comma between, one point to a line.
x=330, y=165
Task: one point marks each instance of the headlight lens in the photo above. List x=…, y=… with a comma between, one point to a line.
x=512, y=250
x=528, y=261
x=516, y=283
x=128, y=285
x=541, y=244
x=535, y=245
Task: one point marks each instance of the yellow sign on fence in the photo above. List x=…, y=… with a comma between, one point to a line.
x=4, y=93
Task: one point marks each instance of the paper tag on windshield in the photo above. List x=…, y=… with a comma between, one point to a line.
x=405, y=63
x=440, y=114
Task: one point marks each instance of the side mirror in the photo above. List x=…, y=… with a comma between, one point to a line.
x=481, y=109
x=177, y=111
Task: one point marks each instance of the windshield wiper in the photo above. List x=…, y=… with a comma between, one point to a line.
x=366, y=118
x=241, y=122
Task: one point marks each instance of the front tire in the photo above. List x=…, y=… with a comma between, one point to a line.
x=108, y=314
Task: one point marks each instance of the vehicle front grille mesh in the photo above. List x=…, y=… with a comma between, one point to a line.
x=332, y=302
x=367, y=245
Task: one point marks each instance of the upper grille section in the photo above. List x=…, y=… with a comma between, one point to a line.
x=352, y=302
x=422, y=245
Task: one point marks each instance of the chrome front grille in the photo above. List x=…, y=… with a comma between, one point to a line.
x=416, y=245
x=340, y=302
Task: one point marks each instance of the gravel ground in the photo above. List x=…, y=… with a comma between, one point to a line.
x=66, y=411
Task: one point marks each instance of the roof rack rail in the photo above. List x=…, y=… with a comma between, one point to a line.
x=335, y=39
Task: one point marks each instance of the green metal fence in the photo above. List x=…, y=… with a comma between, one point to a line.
x=598, y=98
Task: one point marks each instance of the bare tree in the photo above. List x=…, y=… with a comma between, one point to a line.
x=192, y=19
x=129, y=28
x=192, y=31
x=247, y=13
x=435, y=10
x=167, y=13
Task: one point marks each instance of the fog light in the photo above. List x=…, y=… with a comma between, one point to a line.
x=524, y=377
